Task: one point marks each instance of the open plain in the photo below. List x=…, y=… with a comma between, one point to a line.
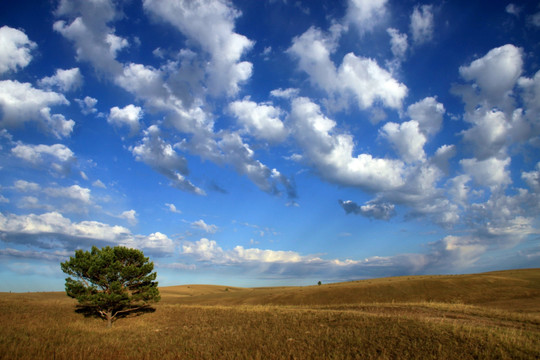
x=492, y=315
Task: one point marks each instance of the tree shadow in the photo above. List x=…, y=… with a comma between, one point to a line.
x=93, y=312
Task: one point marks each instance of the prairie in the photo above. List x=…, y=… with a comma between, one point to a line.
x=492, y=315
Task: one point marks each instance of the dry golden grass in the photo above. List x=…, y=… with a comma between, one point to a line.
x=484, y=316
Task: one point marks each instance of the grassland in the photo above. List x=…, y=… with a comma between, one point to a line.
x=483, y=316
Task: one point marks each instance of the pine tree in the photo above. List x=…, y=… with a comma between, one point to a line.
x=111, y=282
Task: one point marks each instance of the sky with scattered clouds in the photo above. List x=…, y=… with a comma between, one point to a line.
x=274, y=142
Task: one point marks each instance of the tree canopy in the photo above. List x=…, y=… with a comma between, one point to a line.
x=111, y=282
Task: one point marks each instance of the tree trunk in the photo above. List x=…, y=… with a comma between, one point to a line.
x=109, y=319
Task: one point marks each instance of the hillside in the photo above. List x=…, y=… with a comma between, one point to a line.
x=512, y=289
x=493, y=315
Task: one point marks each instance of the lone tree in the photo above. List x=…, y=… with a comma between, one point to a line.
x=111, y=282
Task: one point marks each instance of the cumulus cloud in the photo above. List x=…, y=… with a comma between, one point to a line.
x=211, y=25
x=370, y=83
x=26, y=186
x=52, y=229
x=200, y=224
x=428, y=113
x=21, y=103
x=491, y=99
x=366, y=14
x=496, y=74
x=127, y=116
x=513, y=9
x=172, y=208
x=159, y=155
x=421, y=25
x=99, y=184
x=532, y=178
x=242, y=157
x=490, y=172
x=407, y=139
x=262, y=120
x=57, y=157
x=73, y=193
x=130, y=216
x=63, y=80
x=85, y=24
x=372, y=209
x=449, y=252
x=209, y=250
x=530, y=90
x=358, y=78
x=87, y=105
x=15, y=49
x=398, y=43
x=331, y=153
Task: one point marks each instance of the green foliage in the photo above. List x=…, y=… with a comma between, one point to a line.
x=111, y=282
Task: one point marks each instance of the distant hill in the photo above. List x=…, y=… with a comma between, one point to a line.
x=515, y=289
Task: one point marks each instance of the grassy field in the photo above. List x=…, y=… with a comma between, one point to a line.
x=483, y=316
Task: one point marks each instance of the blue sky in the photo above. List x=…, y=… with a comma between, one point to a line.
x=281, y=142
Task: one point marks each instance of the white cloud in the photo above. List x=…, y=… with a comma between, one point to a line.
x=64, y=80
x=160, y=156
x=422, y=24
x=513, y=9
x=130, y=216
x=442, y=155
x=496, y=73
x=128, y=115
x=209, y=250
x=531, y=98
x=242, y=157
x=26, y=186
x=532, y=178
x=457, y=251
x=87, y=105
x=144, y=81
x=366, y=14
x=211, y=25
x=428, y=113
x=370, y=83
x=98, y=183
x=52, y=228
x=15, y=49
x=87, y=28
x=285, y=93
x=458, y=189
x=55, y=223
x=358, y=78
x=534, y=19
x=262, y=120
x=57, y=157
x=489, y=134
x=313, y=49
x=173, y=209
x=155, y=242
x=490, y=172
x=20, y=103
x=372, y=209
x=200, y=224
x=398, y=43
x=74, y=192
x=116, y=43
x=407, y=139
x=332, y=153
